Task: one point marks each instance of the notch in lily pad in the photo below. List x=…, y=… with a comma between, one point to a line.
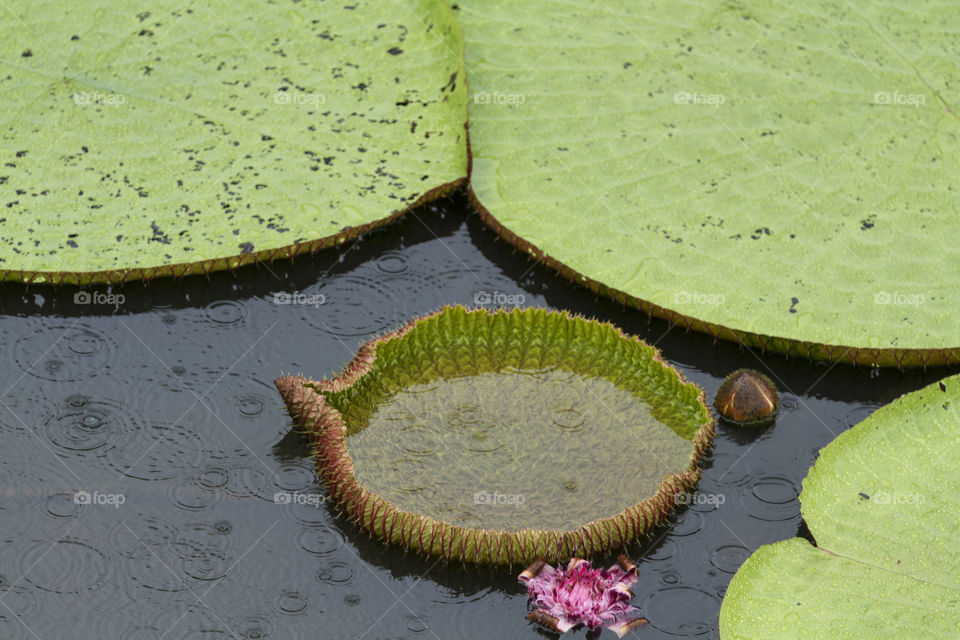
x=748, y=398
x=504, y=436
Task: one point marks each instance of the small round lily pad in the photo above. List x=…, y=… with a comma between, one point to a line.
x=502, y=436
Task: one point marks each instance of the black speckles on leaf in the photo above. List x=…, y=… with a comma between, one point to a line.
x=241, y=186
x=793, y=303
x=451, y=83
x=867, y=223
x=26, y=53
x=158, y=235
x=943, y=387
x=759, y=233
x=863, y=496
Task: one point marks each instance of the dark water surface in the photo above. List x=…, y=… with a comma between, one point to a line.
x=163, y=411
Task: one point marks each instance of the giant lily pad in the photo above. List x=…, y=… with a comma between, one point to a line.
x=171, y=139
x=504, y=436
x=883, y=503
x=776, y=173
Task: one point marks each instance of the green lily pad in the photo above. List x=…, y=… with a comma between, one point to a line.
x=171, y=139
x=773, y=173
x=505, y=436
x=883, y=504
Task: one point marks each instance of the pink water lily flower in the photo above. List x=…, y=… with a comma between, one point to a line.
x=582, y=595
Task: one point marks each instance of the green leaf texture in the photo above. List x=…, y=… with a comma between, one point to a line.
x=777, y=173
x=176, y=138
x=883, y=503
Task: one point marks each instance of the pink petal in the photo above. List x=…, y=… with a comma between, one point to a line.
x=581, y=594
x=623, y=627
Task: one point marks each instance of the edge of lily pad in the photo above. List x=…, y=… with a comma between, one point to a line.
x=813, y=351
x=751, y=588
x=206, y=267
x=377, y=516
